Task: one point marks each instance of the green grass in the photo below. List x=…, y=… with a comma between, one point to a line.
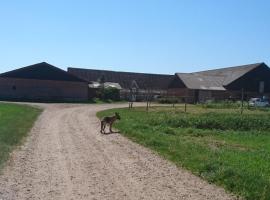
x=15, y=122
x=90, y=101
x=219, y=145
x=224, y=104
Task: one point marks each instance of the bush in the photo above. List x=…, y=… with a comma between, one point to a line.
x=167, y=100
x=221, y=104
x=111, y=94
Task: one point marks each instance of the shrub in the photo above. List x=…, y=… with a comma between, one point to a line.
x=221, y=104
x=167, y=100
x=109, y=94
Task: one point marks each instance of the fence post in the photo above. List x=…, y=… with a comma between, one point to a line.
x=242, y=101
x=185, y=105
x=147, y=100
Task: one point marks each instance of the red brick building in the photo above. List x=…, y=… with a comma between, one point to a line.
x=42, y=82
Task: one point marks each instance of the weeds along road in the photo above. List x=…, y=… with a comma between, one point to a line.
x=65, y=157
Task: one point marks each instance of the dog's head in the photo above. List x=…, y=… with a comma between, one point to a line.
x=117, y=116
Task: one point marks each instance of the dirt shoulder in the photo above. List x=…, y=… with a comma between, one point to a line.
x=65, y=157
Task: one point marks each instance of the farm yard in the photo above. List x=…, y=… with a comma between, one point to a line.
x=213, y=141
x=135, y=100
x=66, y=157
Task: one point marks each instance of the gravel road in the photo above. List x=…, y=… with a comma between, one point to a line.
x=65, y=157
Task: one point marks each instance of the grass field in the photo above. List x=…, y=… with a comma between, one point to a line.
x=15, y=123
x=219, y=145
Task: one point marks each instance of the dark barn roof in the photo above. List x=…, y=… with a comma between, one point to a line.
x=125, y=79
x=41, y=71
x=216, y=79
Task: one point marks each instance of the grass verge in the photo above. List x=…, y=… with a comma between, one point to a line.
x=15, y=122
x=90, y=101
x=225, y=148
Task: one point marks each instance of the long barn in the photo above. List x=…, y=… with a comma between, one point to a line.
x=42, y=82
x=227, y=83
x=141, y=83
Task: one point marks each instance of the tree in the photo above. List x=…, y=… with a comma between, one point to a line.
x=101, y=81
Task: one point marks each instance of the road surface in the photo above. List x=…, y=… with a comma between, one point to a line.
x=65, y=157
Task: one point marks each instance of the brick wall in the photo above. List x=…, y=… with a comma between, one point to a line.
x=183, y=94
x=203, y=95
x=31, y=89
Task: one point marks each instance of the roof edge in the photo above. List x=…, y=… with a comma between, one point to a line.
x=255, y=65
x=76, y=68
x=40, y=63
x=176, y=74
x=250, y=70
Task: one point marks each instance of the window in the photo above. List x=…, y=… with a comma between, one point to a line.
x=261, y=87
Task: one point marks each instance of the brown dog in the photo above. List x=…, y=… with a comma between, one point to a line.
x=110, y=121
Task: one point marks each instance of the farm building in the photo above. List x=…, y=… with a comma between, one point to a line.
x=220, y=84
x=139, y=84
x=42, y=82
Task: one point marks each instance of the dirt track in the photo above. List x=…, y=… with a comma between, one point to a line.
x=65, y=157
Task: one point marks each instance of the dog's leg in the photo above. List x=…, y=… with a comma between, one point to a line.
x=102, y=127
x=111, y=127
